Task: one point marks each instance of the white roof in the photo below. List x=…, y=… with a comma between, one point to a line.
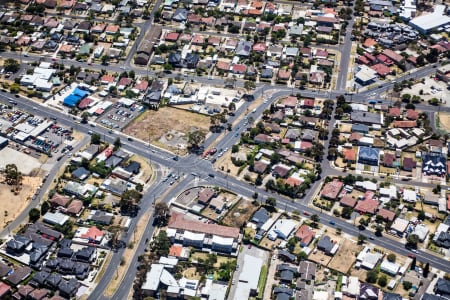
x=151, y=282
x=366, y=74
x=172, y=261
x=391, y=192
x=222, y=240
x=371, y=260
x=389, y=267
x=368, y=185
x=359, y=106
x=353, y=286
x=400, y=224
x=320, y=295
x=126, y=101
x=366, y=140
x=422, y=231
x=217, y=291
x=284, y=227
x=56, y=218
x=249, y=277
x=433, y=20
x=188, y=235
x=409, y=196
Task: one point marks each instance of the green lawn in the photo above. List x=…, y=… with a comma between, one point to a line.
x=262, y=281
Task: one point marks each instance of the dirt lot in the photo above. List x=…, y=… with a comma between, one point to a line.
x=161, y=125
x=320, y=258
x=345, y=257
x=12, y=204
x=444, y=121
x=240, y=213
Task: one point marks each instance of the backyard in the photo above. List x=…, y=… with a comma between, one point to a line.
x=240, y=213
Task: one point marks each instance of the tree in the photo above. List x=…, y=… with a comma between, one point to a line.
x=45, y=207
x=391, y=257
x=11, y=65
x=302, y=256
x=34, y=215
x=362, y=223
x=84, y=117
x=104, y=59
x=361, y=239
x=129, y=202
x=271, y=201
x=346, y=212
x=426, y=270
x=413, y=264
x=234, y=148
x=13, y=176
x=291, y=243
x=372, y=276
x=315, y=220
x=195, y=138
x=162, y=214
x=407, y=285
x=96, y=139
x=412, y=240
x=249, y=85
x=117, y=143
x=379, y=230
x=382, y=280
x=255, y=195
x=161, y=244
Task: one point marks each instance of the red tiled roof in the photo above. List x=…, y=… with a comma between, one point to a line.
x=369, y=43
x=141, y=85
x=205, y=195
x=259, y=47
x=349, y=154
x=308, y=102
x=125, y=81
x=332, y=189
x=4, y=288
x=363, y=60
x=107, y=78
x=74, y=207
x=355, y=136
x=284, y=74
x=290, y=101
x=348, y=200
x=175, y=250
x=394, y=112
x=305, y=234
x=172, y=36
x=85, y=103
x=222, y=65
x=291, y=181
x=388, y=159
x=405, y=124
x=177, y=221
x=59, y=200
x=386, y=214
x=412, y=114
x=239, y=68
x=381, y=69
x=393, y=55
x=367, y=206
x=92, y=233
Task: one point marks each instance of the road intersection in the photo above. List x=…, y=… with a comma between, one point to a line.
x=193, y=164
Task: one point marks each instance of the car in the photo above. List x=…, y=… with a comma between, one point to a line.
x=110, y=131
x=411, y=256
x=371, y=238
x=211, y=175
x=414, y=250
x=236, y=134
x=332, y=223
x=249, y=246
x=175, y=158
x=306, y=213
x=233, y=282
x=90, y=132
x=164, y=179
x=130, y=139
x=171, y=183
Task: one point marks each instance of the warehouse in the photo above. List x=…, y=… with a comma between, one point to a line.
x=426, y=23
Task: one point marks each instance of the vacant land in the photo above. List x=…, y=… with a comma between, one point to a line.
x=240, y=213
x=444, y=121
x=12, y=204
x=345, y=257
x=167, y=124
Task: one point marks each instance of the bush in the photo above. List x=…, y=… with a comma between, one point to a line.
x=407, y=285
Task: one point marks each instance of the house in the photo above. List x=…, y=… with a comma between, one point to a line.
x=390, y=268
x=286, y=273
x=243, y=48
x=348, y=201
x=307, y=270
x=91, y=235
x=386, y=214
x=281, y=229
x=80, y=173
x=442, y=287
x=367, y=206
x=260, y=217
x=205, y=195
x=408, y=164
x=433, y=164
x=399, y=226
x=305, y=235
x=366, y=117
x=326, y=245
x=331, y=189
x=369, y=156
x=59, y=200
x=74, y=207
x=349, y=155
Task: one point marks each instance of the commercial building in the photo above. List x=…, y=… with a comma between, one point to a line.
x=249, y=277
x=428, y=22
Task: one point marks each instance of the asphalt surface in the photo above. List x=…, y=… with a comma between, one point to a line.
x=202, y=168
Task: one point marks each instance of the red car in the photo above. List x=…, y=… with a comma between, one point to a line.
x=306, y=213
x=411, y=255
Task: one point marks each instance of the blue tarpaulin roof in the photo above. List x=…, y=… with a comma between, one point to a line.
x=71, y=100
x=75, y=97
